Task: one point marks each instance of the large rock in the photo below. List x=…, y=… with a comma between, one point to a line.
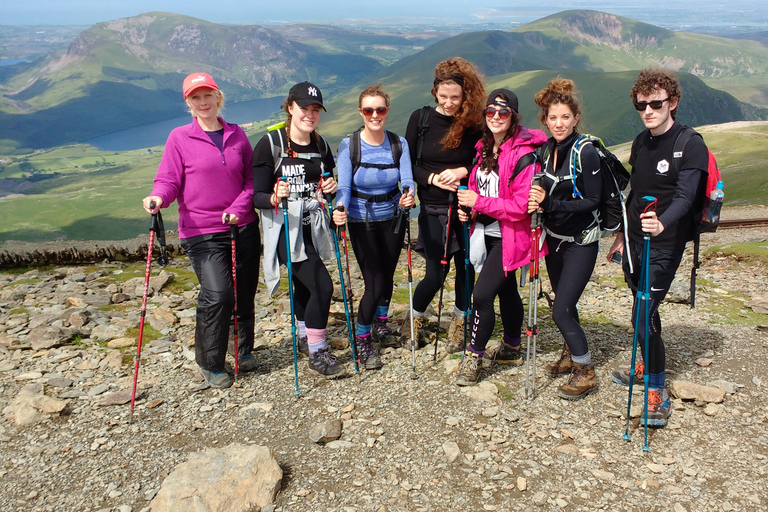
x=161, y=319
x=326, y=432
x=46, y=337
x=686, y=390
x=236, y=478
x=483, y=392
x=29, y=408
x=108, y=332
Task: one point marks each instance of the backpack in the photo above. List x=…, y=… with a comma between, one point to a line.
x=355, y=153
x=279, y=152
x=611, y=213
x=702, y=200
x=423, y=129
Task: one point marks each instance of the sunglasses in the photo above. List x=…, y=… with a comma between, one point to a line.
x=504, y=113
x=368, y=111
x=640, y=106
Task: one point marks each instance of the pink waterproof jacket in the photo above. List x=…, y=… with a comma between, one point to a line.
x=206, y=181
x=511, y=207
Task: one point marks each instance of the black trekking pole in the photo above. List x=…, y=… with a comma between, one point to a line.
x=533, y=308
x=407, y=212
x=349, y=296
x=156, y=228
x=643, y=294
x=468, y=291
x=233, y=243
x=444, y=263
x=290, y=290
x=327, y=198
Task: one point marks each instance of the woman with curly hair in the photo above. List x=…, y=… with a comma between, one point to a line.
x=289, y=163
x=442, y=144
x=569, y=197
x=500, y=241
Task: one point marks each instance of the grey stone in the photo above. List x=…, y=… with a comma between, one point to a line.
x=686, y=390
x=108, y=332
x=326, y=432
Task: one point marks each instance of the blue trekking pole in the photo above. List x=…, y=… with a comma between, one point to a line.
x=290, y=290
x=341, y=279
x=643, y=294
x=468, y=310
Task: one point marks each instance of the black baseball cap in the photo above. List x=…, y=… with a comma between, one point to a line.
x=306, y=94
x=509, y=99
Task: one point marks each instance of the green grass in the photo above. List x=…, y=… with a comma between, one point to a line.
x=731, y=310
x=504, y=392
x=26, y=281
x=149, y=333
x=748, y=252
x=19, y=311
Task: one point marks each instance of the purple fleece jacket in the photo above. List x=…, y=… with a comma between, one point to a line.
x=206, y=181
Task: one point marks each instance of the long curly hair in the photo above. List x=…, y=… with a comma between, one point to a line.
x=558, y=90
x=488, y=159
x=650, y=81
x=469, y=115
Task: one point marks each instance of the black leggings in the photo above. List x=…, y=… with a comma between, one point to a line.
x=312, y=285
x=662, y=268
x=211, y=257
x=431, y=231
x=377, y=251
x=493, y=282
x=570, y=266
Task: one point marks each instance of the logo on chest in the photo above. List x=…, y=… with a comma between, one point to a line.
x=662, y=167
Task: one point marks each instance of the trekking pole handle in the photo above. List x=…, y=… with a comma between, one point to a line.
x=650, y=204
x=536, y=220
x=466, y=209
x=285, y=199
x=152, y=205
x=343, y=227
x=406, y=189
x=327, y=197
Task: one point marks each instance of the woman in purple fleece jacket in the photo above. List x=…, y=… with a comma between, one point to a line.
x=206, y=167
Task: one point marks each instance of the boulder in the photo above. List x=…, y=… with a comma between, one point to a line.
x=686, y=390
x=235, y=478
x=29, y=408
x=326, y=432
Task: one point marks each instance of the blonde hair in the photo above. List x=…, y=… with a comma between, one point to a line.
x=220, y=105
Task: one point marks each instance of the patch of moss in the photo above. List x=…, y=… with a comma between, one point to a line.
x=31, y=280
x=149, y=333
x=750, y=252
x=504, y=392
x=19, y=311
x=733, y=311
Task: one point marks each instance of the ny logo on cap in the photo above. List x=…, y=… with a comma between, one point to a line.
x=312, y=91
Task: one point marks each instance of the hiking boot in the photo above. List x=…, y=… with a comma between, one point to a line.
x=563, y=365
x=216, y=379
x=383, y=335
x=419, y=323
x=455, y=340
x=469, y=370
x=369, y=356
x=581, y=382
x=324, y=363
x=302, y=344
x=247, y=363
x=622, y=376
x=507, y=354
x=658, y=408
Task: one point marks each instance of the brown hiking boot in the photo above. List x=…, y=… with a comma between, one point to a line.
x=469, y=370
x=455, y=340
x=581, y=382
x=419, y=323
x=562, y=365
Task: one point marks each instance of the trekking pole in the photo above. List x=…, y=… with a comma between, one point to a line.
x=327, y=198
x=533, y=310
x=155, y=227
x=642, y=294
x=468, y=291
x=348, y=294
x=290, y=291
x=233, y=238
x=407, y=212
x=444, y=263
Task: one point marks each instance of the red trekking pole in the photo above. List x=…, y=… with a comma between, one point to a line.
x=156, y=227
x=233, y=238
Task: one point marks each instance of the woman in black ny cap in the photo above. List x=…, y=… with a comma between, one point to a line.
x=289, y=163
x=500, y=240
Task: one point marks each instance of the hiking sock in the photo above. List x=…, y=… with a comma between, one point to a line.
x=657, y=380
x=512, y=342
x=458, y=313
x=584, y=360
x=419, y=313
x=301, y=325
x=363, y=330
x=382, y=312
x=315, y=340
x=479, y=353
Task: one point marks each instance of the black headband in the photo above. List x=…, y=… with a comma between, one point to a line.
x=453, y=77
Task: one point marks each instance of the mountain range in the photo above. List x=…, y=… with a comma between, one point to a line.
x=127, y=72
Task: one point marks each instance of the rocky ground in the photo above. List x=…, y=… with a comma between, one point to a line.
x=409, y=442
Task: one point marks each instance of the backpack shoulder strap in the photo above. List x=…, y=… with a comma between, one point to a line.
x=355, y=151
x=523, y=162
x=423, y=129
x=278, y=151
x=396, y=146
x=682, y=139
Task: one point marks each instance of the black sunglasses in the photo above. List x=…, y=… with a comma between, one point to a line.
x=503, y=112
x=368, y=111
x=640, y=106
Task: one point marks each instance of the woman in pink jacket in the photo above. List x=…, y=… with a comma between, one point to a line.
x=500, y=241
x=206, y=168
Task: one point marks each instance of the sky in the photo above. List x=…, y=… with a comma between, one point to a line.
x=88, y=12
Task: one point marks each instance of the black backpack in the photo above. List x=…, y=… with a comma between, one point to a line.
x=611, y=213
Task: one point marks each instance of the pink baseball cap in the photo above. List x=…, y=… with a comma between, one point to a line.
x=196, y=81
